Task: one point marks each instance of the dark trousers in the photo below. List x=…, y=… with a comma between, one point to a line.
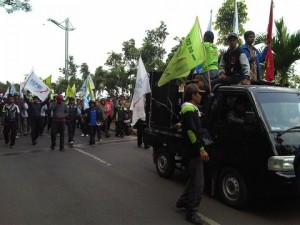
x=139, y=131
x=10, y=132
x=227, y=81
x=36, y=126
x=119, y=128
x=58, y=127
x=84, y=127
x=92, y=130
x=71, y=124
x=192, y=193
x=98, y=130
x=109, y=119
x=105, y=128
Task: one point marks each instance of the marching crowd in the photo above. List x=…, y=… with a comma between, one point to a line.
x=23, y=116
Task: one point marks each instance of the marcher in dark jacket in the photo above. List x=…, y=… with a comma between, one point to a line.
x=9, y=120
x=34, y=109
x=119, y=118
x=74, y=115
x=194, y=154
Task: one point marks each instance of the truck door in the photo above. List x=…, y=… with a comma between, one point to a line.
x=238, y=140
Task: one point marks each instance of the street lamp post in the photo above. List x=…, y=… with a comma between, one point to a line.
x=67, y=27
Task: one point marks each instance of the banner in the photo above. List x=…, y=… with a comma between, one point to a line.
x=36, y=86
x=142, y=87
x=269, y=56
x=189, y=55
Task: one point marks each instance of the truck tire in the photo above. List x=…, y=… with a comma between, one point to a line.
x=165, y=164
x=232, y=188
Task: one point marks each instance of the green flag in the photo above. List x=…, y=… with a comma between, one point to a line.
x=190, y=54
x=47, y=81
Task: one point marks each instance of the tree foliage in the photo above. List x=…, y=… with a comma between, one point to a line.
x=286, y=51
x=11, y=6
x=224, y=20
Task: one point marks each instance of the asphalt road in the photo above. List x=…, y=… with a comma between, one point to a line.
x=113, y=183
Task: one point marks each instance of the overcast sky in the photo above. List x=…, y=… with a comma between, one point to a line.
x=28, y=41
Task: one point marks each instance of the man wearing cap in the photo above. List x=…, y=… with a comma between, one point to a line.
x=234, y=67
x=193, y=155
x=254, y=56
x=59, y=112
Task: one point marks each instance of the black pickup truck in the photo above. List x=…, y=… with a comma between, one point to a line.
x=247, y=159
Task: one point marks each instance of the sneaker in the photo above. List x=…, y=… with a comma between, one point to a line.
x=92, y=145
x=180, y=205
x=52, y=147
x=34, y=142
x=12, y=146
x=107, y=136
x=194, y=218
x=86, y=135
x=71, y=142
x=100, y=140
x=82, y=135
x=62, y=149
x=17, y=136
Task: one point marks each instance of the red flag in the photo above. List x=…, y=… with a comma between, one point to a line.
x=269, y=55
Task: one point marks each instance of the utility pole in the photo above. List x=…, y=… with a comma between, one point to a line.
x=67, y=27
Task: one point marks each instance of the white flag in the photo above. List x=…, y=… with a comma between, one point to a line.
x=6, y=93
x=235, y=19
x=142, y=87
x=21, y=90
x=36, y=86
x=12, y=89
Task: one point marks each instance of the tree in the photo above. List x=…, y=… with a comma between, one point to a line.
x=224, y=21
x=286, y=51
x=72, y=68
x=84, y=70
x=152, y=50
x=11, y=6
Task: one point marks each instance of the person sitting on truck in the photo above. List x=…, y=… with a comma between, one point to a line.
x=234, y=66
x=193, y=155
x=237, y=114
x=254, y=56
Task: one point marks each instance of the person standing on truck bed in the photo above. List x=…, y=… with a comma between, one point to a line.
x=234, y=66
x=194, y=154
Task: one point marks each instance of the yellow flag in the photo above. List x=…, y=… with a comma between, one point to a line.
x=90, y=90
x=48, y=81
x=190, y=54
x=70, y=91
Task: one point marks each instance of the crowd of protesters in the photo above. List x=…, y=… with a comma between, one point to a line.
x=25, y=115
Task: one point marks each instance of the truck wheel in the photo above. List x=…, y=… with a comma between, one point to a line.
x=165, y=165
x=232, y=188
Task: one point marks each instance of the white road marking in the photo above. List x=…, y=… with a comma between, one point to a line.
x=208, y=220
x=92, y=156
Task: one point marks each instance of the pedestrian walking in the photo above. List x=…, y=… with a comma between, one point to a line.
x=9, y=120
x=59, y=112
x=74, y=115
x=35, y=109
